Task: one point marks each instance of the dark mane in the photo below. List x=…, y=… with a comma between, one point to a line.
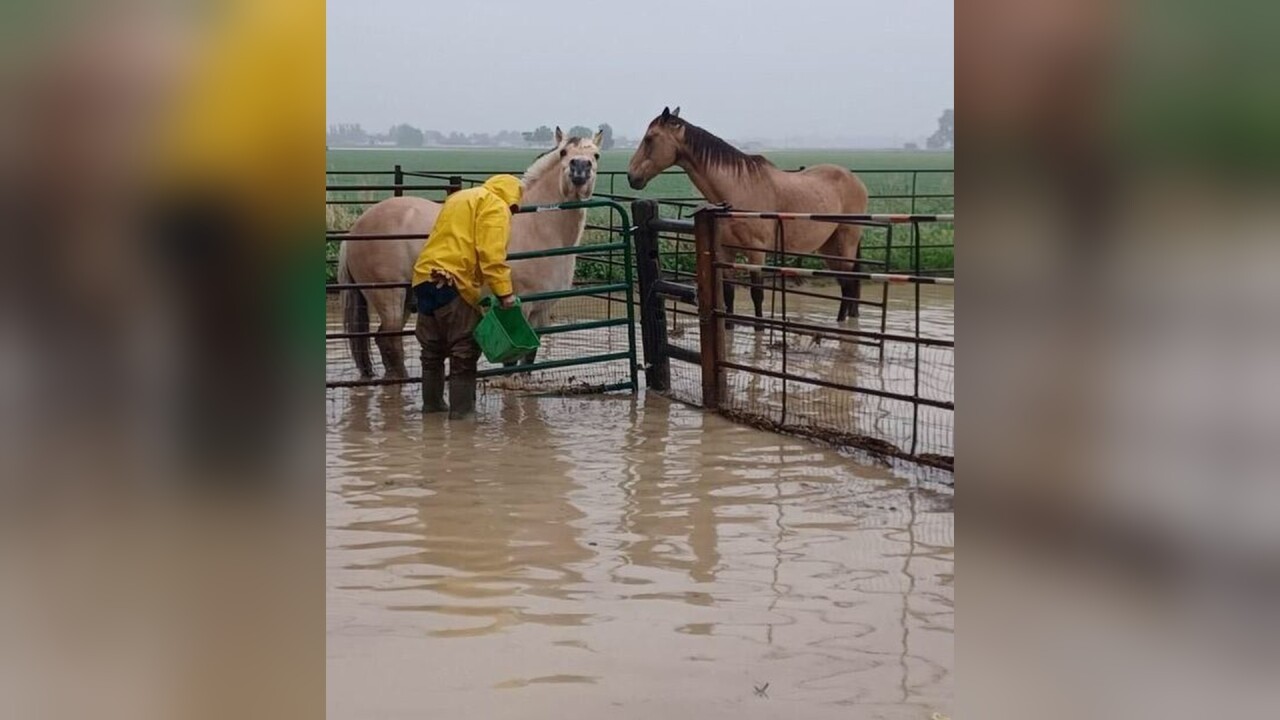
x=707, y=149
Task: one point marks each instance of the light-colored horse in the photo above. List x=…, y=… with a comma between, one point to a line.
x=724, y=174
x=566, y=172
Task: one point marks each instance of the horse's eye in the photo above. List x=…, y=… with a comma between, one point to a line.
x=563, y=153
x=597, y=156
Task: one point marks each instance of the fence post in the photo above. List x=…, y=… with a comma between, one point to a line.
x=399, y=180
x=455, y=184
x=653, y=318
x=710, y=299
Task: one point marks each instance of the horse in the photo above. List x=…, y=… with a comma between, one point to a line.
x=563, y=173
x=724, y=174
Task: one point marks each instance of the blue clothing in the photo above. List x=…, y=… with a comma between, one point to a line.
x=432, y=297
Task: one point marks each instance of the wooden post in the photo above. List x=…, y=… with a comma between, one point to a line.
x=710, y=301
x=653, y=318
x=399, y=180
x=455, y=184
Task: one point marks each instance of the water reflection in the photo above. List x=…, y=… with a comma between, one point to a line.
x=599, y=549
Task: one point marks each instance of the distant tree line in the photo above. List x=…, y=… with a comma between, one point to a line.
x=408, y=136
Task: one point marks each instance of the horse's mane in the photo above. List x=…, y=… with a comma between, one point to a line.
x=707, y=149
x=545, y=162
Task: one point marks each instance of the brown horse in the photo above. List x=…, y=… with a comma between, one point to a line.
x=724, y=174
x=566, y=172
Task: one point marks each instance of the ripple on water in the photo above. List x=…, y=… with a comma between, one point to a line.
x=586, y=552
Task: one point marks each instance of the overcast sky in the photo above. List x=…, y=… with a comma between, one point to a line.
x=859, y=69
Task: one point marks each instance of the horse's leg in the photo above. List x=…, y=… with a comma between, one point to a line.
x=844, y=243
x=848, y=290
x=757, y=285
x=757, y=294
x=389, y=304
x=408, y=306
x=852, y=236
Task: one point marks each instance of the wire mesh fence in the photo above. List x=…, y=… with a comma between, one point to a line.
x=882, y=381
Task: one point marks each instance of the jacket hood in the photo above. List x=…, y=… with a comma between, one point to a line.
x=507, y=187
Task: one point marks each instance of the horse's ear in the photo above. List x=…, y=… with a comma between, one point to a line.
x=666, y=113
x=676, y=112
x=598, y=139
x=559, y=136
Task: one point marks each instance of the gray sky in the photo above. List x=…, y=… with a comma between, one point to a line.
x=856, y=69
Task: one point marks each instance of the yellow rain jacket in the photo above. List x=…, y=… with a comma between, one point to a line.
x=469, y=240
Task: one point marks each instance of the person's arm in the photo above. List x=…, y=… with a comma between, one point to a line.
x=493, y=231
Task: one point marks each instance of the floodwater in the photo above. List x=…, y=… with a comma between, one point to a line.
x=624, y=557
x=893, y=367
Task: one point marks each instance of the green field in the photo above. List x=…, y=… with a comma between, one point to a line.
x=886, y=173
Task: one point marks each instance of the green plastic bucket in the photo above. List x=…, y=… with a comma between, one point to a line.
x=504, y=335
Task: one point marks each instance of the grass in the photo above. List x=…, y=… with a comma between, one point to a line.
x=882, y=171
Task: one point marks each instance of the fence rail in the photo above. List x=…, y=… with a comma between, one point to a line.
x=885, y=389
x=599, y=290
x=895, y=218
x=876, y=401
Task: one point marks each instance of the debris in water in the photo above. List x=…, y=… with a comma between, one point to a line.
x=762, y=691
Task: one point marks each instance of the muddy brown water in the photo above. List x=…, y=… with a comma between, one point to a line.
x=624, y=557
x=892, y=368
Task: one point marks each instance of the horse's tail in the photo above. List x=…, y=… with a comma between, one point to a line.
x=355, y=318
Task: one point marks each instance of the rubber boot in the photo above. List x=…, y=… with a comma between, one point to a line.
x=433, y=390
x=462, y=395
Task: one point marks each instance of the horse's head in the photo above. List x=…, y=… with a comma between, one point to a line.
x=658, y=150
x=578, y=160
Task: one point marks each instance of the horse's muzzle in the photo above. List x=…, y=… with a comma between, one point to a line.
x=579, y=179
x=636, y=183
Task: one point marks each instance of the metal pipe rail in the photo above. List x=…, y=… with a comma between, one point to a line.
x=941, y=404
x=894, y=218
x=671, y=226
x=834, y=331
x=809, y=293
x=816, y=256
x=808, y=272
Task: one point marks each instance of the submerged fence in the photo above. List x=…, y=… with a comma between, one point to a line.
x=882, y=382
x=889, y=391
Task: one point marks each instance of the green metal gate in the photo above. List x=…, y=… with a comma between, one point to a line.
x=619, y=244
x=625, y=287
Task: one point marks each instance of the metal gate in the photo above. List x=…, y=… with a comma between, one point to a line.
x=888, y=390
x=606, y=342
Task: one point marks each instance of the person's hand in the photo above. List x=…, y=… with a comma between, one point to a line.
x=508, y=301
